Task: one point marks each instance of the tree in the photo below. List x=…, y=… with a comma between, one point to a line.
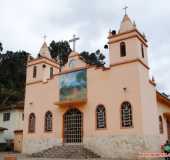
x=1, y=48
x=95, y=58
x=60, y=52
x=12, y=77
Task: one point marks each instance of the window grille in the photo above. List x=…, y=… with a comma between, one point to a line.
x=73, y=126
x=48, y=121
x=101, y=116
x=6, y=116
x=126, y=115
x=31, y=126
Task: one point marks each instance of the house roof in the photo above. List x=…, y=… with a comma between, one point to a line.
x=163, y=98
x=3, y=129
x=19, y=105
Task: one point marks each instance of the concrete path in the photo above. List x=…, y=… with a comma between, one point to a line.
x=25, y=157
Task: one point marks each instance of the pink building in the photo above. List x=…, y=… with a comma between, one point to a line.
x=112, y=111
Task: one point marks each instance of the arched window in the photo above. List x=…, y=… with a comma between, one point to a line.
x=160, y=125
x=122, y=49
x=48, y=121
x=126, y=115
x=51, y=72
x=31, y=125
x=34, y=72
x=142, y=50
x=101, y=116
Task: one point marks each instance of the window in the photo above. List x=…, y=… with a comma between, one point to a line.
x=22, y=116
x=126, y=115
x=72, y=63
x=31, y=125
x=48, y=121
x=160, y=125
x=101, y=116
x=51, y=72
x=34, y=72
x=142, y=50
x=122, y=49
x=6, y=116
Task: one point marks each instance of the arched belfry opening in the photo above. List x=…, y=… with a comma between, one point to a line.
x=73, y=126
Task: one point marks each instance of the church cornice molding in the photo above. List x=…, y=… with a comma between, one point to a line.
x=129, y=61
x=96, y=68
x=162, y=99
x=119, y=37
x=42, y=60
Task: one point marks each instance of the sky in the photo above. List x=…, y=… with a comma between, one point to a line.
x=25, y=22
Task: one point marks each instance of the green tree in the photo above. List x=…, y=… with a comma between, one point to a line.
x=1, y=48
x=60, y=52
x=12, y=77
x=96, y=58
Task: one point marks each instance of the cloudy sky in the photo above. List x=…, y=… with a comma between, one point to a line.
x=24, y=22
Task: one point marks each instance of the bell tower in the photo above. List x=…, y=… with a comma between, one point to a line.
x=127, y=44
x=42, y=68
x=129, y=61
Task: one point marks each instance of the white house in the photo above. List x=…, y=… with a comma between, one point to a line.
x=11, y=120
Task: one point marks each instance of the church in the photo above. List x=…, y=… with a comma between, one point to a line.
x=110, y=111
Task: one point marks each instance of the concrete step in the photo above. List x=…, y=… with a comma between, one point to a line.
x=67, y=151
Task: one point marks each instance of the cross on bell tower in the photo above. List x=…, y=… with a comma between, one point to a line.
x=125, y=8
x=44, y=37
x=74, y=39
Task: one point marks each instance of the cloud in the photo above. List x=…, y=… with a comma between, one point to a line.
x=23, y=24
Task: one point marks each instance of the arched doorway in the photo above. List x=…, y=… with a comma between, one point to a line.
x=73, y=126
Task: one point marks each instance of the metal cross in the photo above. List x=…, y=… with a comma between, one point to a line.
x=74, y=39
x=125, y=8
x=44, y=37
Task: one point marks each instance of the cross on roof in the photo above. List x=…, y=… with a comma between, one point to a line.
x=125, y=8
x=74, y=39
x=44, y=37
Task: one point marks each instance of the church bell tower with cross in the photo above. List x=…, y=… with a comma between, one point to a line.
x=128, y=43
x=128, y=52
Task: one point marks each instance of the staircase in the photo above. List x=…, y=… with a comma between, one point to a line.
x=67, y=151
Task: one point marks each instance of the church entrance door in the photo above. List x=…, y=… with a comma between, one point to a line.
x=168, y=128
x=73, y=126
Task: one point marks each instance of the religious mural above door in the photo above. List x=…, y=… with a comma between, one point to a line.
x=73, y=86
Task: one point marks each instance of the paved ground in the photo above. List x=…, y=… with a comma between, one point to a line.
x=24, y=157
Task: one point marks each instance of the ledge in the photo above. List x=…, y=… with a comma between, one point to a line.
x=71, y=102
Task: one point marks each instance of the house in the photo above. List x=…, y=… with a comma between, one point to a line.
x=11, y=120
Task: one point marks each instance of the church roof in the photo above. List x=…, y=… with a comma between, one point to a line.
x=126, y=24
x=73, y=53
x=162, y=97
x=44, y=51
x=18, y=105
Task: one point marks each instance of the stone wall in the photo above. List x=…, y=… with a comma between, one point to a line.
x=122, y=146
x=35, y=145
x=116, y=146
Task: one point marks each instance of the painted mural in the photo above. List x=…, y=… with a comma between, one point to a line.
x=73, y=86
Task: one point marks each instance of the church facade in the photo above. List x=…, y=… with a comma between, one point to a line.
x=110, y=111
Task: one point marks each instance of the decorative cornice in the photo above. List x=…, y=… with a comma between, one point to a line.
x=43, y=60
x=129, y=61
x=162, y=99
x=138, y=35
